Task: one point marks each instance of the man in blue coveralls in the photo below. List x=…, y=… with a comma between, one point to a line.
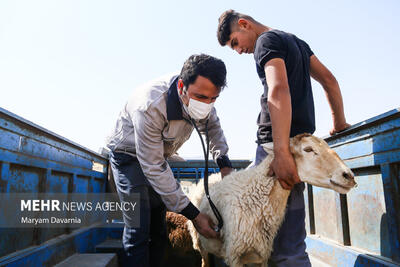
x=284, y=65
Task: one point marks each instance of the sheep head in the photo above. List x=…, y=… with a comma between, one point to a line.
x=318, y=164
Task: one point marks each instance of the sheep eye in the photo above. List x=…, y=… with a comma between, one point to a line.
x=308, y=149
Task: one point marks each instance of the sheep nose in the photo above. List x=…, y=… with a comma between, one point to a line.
x=348, y=175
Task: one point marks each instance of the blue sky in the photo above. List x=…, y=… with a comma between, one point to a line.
x=69, y=66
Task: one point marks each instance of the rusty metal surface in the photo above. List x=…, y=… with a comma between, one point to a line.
x=325, y=213
x=367, y=213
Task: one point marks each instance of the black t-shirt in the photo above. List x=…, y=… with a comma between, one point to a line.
x=296, y=54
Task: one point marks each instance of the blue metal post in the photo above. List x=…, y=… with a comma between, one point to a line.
x=390, y=176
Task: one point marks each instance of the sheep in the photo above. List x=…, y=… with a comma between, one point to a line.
x=179, y=250
x=178, y=234
x=253, y=204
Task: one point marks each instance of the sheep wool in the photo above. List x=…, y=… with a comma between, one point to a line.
x=255, y=208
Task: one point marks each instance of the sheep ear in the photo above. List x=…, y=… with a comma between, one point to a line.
x=268, y=147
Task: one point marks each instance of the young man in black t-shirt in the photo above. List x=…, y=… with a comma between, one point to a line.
x=284, y=65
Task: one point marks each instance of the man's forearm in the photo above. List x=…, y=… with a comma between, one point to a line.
x=335, y=100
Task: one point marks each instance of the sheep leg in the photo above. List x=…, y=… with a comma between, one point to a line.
x=205, y=261
x=236, y=263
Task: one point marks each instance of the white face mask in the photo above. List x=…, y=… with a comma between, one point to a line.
x=197, y=109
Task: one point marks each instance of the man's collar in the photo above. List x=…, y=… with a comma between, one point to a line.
x=174, y=105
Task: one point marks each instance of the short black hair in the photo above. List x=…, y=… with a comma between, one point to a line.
x=226, y=23
x=204, y=65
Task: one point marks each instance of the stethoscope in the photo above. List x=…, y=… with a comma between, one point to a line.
x=206, y=151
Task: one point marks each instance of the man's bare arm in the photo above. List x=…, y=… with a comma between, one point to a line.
x=280, y=109
x=332, y=90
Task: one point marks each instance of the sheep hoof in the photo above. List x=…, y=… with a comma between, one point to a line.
x=251, y=257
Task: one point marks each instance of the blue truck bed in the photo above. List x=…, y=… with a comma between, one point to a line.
x=361, y=228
